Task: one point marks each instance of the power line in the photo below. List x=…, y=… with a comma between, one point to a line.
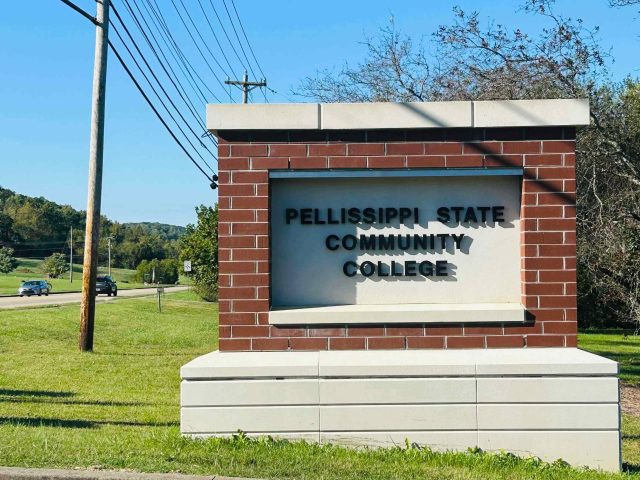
x=238, y=38
x=160, y=99
x=197, y=47
x=206, y=17
x=183, y=63
x=197, y=118
x=196, y=43
x=226, y=34
x=160, y=85
x=176, y=83
x=80, y=11
x=214, y=177
x=124, y=65
x=233, y=4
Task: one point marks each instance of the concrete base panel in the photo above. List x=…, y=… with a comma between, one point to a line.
x=548, y=403
x=594, y=449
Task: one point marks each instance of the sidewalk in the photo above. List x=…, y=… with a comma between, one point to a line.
x=15, y=473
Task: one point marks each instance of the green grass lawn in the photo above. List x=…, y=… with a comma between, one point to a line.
x=623, y=348
x=118, y=408
x=29, y=269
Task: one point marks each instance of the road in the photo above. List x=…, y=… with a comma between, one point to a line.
x=75, y=297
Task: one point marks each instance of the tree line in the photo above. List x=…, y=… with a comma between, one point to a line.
x=34, y=227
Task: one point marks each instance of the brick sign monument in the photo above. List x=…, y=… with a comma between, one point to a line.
x=403, y=271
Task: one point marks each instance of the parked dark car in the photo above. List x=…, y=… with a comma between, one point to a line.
x=34, y=287
x=106, y=284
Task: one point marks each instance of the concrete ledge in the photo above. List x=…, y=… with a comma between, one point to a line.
x=388, y=115
x=445, y=313
x=259, y=116
x=531, y=113
x=370, y=116
x=240, y=364
x=524, y=362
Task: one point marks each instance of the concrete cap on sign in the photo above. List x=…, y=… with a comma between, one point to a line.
x=390, y=115
x=413, y=363
x=531, y=113
x=344, y=116
x=251, y=364
x=544, y=361
x=260, y=116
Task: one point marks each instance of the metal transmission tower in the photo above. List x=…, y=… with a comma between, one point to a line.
x=246, y=86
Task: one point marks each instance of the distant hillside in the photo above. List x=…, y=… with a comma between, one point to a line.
x=163, y=230
x=36, y=227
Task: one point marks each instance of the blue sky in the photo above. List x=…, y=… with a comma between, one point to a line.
x=46, y=59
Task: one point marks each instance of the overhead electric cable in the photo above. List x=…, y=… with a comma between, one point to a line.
x=188, y=103
x=244, y=33
x=215, y=11
x=233, y=4
x=162, y=21
x=174, y=50
x=155, y=110
x=206, y=17
x=153, y=73
x=196, y=43
x=238, y=37
x=160, y=99
x=158, y=49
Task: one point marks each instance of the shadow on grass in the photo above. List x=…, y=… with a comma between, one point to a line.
x=97, y=403
x=630, y=468
x=74, y=423
x=140, y=354
x=36, y=393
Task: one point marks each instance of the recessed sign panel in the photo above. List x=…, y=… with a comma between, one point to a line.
x=349, y=241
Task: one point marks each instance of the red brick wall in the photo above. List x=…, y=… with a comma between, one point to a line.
x=547, y=224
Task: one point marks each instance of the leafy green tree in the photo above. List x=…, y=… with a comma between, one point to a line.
x=8, y=262
x=166, y=271
x=55, y=265
x=200, y=246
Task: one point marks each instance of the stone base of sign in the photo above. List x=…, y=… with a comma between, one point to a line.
x=550, y=403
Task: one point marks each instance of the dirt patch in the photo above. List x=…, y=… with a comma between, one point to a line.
x=630, y=399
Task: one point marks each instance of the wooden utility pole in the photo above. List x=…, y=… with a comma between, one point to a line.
x=71, y=255
x=96, y=147
x=246, y=86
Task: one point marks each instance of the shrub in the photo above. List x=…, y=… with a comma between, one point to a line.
x=55, y=265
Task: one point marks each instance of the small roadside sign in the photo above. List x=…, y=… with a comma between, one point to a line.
x=187, y=265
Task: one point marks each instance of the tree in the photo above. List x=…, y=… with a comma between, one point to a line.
x=166, y=271
x=8, y=262
x=469, y=61
x=55, y=265
x=200, y=245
